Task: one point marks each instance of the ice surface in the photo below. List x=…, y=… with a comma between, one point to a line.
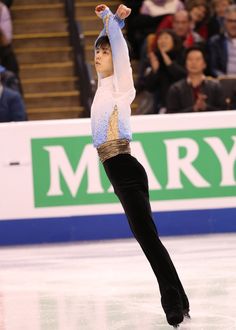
x=109, y=285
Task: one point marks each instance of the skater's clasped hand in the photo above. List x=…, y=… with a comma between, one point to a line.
x=99, y=9
x=122, y=11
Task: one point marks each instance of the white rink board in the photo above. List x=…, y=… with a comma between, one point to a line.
x=16, y=188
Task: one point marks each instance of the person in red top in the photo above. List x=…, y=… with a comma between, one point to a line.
x=181, y=24
x=198, y=12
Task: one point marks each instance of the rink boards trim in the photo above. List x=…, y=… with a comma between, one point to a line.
x=113, y=226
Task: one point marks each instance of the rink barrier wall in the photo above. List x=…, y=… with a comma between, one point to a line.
x=54, y=189
x=108, y=227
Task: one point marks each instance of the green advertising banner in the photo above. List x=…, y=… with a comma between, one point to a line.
x=181, y=165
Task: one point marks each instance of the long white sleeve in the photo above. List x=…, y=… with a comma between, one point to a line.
x=110, y=111
x=120, y=54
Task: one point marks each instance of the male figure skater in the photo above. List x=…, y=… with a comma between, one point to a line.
x=110, y=117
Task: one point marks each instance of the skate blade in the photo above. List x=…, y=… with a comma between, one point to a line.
x=187, y=315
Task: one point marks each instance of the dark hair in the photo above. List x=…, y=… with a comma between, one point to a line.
x=177, y=42
x=182, y=10
x=198, y=49
x=102, y=41
x=199, y=3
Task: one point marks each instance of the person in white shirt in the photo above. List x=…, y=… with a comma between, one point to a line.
x=110, y=119
x=5, y=25
x=7, y=56
x=161, y=7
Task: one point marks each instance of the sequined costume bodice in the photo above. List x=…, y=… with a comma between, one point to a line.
x=110, y=112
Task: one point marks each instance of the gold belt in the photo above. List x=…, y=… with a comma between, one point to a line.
x=113, y=148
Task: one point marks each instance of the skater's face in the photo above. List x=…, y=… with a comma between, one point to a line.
x=103, y=61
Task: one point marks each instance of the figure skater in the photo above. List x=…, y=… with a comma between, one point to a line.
x=110, y=118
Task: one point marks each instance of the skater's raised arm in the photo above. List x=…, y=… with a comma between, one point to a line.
x=112, y=28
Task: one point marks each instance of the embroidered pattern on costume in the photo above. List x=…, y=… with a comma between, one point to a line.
x=107, y=17
x=113, y=130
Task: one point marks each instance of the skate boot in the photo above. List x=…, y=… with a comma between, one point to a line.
x=173, y=308
x=186, y=314
x=174, y=317
x=186, y=308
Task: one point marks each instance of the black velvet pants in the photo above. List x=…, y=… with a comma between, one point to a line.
x=130, y=184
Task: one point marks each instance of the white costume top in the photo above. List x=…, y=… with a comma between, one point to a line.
x=110, y=112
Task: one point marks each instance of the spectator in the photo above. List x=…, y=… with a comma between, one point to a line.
x=166, y=67
x=8, y=3
x=7, y=56
x=216, y=22
x=11, y=104
x=9, y=79
x=199, y=12
x=223, y=47
x=181, y=23
x=195, y=93
x=145, y=18
x=156, y=8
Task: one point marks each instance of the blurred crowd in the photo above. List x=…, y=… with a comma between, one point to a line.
x=12, y=106
x=186, y=52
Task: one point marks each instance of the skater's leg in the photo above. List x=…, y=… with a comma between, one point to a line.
x=132, y=190
x=144, y=231
x=141, y=223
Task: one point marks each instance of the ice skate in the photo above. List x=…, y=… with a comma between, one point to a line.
x=186, y=307
x=174, y=317
x=173, y=307
x=186, y=314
